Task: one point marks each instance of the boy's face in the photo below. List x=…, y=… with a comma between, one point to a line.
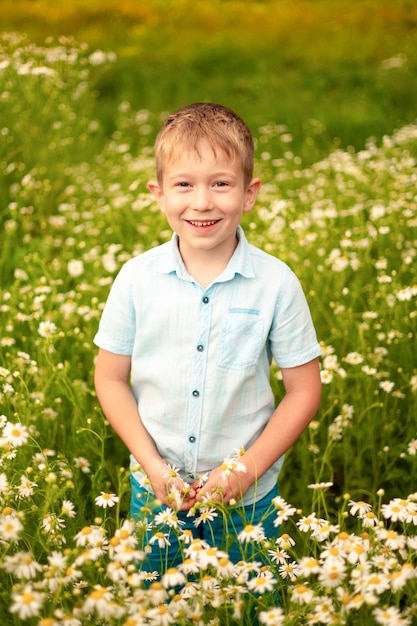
x=204, y=197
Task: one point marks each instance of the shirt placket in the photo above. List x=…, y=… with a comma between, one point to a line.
x=197, y=383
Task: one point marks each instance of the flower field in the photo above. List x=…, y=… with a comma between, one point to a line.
x=74, y=207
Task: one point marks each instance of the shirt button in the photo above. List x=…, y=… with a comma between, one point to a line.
x=196, y=393
x=191, y=439
x=206, y=299
x=200, y=348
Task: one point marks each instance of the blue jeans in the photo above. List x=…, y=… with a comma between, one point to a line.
x=221, y=532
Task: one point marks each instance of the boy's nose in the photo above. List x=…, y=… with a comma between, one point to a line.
x=202, y=200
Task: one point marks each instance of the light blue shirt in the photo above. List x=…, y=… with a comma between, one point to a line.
x=201, y=357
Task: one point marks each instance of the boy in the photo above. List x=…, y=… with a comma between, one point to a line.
x=189, y=330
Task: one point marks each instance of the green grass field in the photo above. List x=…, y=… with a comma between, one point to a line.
x=337, y=156
x=335, y=72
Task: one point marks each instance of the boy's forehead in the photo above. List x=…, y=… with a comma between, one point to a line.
x=199, y=152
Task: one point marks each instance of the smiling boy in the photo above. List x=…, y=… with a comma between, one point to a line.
x=190, y=328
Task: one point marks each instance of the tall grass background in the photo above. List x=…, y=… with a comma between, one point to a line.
x=329, y=90
x=335, y=72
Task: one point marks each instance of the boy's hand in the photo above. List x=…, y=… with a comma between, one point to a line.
x=226, y=487
x=169, y=488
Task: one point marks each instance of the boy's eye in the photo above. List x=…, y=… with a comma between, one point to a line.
x=220, y=183
x=183, y=184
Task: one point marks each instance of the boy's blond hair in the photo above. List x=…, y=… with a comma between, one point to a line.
x=223, y=129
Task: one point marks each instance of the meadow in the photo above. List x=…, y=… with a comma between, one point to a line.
x=336, y=72
x=74, y=206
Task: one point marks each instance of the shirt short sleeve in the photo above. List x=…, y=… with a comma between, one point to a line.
x=293, y=336
x=117, y=327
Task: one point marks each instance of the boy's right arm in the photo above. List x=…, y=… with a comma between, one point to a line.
x=111, y=379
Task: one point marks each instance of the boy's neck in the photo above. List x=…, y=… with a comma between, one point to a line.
x=206, y=265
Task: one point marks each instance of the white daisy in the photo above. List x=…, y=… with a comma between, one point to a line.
x=252, y=532
x=125, y=553
x=106, y=499
x=91, y=536
x=225, y=568
x=369, y=520
x=175, y=495
x=206, y=515
x=302, y=594
x=75, y=267
x=324, y=613
x=354, y=358
x=186, y=536
x=279, y=556
x=285, y=510
x=391, y=538
x=323, y=529
x=157, y=592
x=412, y=447
x=390, y=616
x=289, y=570
x=263, y=582
x=173, y=577
x=400, y=577
x=308, y=566
x=15, y=434
x=194, y=549
x=169, y=518
x=68, y=509
x=160, y=615
x=322, y=485
x=83, y=464
x=357, y=551
x=47, y=329
x=360, y=507
x=99, y=601
x=57, y=560
x=285, y=542
x=231, y=465
x=171, y=472
x=26, y=603
x=116, y=572
x=189, y=566
x=332, y=573
x=21, y=565
x=376, y=583
x=307, y=523
x=272, y=617
x=71, y=575
x=356, y=601
x=10, y=528
x=161, y=539
x=326, y=376
x=210, y=556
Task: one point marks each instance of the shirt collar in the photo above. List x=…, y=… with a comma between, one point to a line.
x=240, y=263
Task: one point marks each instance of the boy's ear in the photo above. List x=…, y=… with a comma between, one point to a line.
x=157, y=193
x=251, y=194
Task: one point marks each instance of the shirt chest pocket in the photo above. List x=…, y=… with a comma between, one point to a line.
x=241, y=338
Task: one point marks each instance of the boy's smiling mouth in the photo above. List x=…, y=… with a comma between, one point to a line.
x=203, y=222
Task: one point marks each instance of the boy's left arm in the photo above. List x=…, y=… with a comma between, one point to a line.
x=291, y=417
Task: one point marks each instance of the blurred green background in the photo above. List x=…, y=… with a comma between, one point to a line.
x=335, y=72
